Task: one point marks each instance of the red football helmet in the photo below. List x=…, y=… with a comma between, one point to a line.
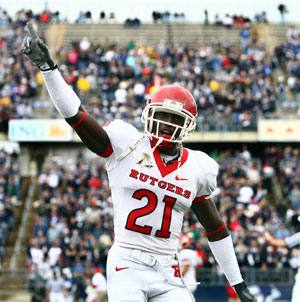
x=172, y=99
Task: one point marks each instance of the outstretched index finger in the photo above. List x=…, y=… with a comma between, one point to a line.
x=32, y=31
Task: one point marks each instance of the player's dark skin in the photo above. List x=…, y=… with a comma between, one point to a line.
x=97, y=140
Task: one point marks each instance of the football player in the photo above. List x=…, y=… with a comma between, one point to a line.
x=153, y=180
x=189, y=260
x=289, y=242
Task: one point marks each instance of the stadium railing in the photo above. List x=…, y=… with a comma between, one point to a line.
x=23, y=279
x=253, y=276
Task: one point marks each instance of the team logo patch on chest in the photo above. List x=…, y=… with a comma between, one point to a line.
x=145, y=160
x=153, y=181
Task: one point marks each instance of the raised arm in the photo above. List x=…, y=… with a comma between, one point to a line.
x=221, y=245
x=273, y=241
x=90, y=132
x=289, y=242
x=63, y=97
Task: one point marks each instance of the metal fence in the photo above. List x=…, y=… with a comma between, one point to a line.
x=15, y=280
x=251, y=275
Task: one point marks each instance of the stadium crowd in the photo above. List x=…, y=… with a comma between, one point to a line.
x=290, y=166
x=47, y=16
x=73, y=229
x=19, y=80
x=9, y=197
x=233, y=85
x=287, y=56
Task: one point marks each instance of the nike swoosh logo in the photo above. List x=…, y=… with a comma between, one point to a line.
x=179, y=178
x=121, y=268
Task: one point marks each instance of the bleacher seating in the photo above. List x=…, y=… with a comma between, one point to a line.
x=147, y=34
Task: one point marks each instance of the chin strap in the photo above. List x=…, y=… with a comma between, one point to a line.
x=179, y=159
x=180, y=156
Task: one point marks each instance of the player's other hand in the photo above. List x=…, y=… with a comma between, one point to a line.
x=244, y=293
x=36, y=50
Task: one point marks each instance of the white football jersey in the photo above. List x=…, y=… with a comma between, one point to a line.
x=191, y=258
x=150, y=198
x=293, y=241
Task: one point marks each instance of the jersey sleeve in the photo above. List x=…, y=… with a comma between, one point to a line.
x=121, y=135
x=293, y=240
x=207, y=183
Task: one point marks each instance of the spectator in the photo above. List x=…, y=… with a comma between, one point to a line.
x=245, y=38
x=294, y=196
x=112, y=17
x=88, y=17
x=91, y=292
x=79, y=284
x=45, y=17
x=283, y=11
x=9, y=198
x=36, y=253
x=218, y=21
x=54, y=252
x=206, y=19
x=99, y=282
x=227, y=21
x=156, y=16
x=55, y=288
x=102, y=16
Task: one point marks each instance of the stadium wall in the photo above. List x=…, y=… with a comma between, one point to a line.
x=41, y=139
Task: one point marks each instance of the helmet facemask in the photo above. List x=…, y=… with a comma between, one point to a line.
x=152, y=124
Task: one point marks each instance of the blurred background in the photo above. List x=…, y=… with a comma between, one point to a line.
x=241, y=61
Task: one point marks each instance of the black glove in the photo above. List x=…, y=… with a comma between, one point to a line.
x=244, y=293
x=36, y=50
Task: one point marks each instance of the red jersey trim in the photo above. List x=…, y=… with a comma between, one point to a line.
x=107, y=152
x=107, y=123
x=201, y=198
x=81, y=119
x=167, y=169
x=219, y=229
